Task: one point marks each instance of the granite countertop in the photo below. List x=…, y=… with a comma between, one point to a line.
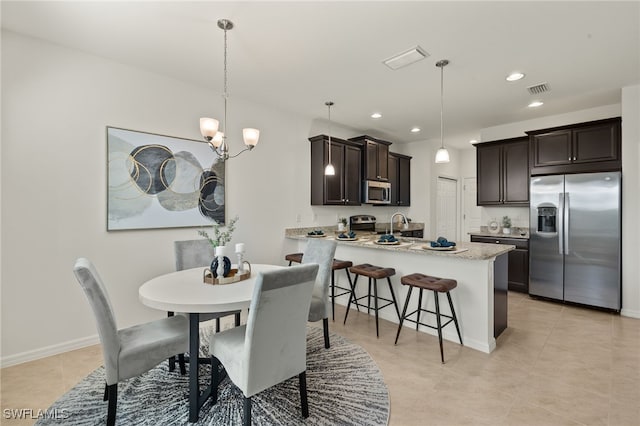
x=464, y=251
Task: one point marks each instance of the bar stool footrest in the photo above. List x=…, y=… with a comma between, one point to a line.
x=406, y=318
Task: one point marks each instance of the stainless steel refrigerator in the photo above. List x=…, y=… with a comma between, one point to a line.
x=575, y=231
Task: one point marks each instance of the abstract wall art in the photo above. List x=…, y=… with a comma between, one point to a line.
x=157, y=181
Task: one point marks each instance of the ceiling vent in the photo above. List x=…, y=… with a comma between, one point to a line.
x=538, y=88
x=405, y=58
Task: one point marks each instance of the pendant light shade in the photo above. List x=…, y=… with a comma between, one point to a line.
x=329, y=170
x=442, y=156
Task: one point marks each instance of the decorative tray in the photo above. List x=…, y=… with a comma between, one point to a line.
x=439, y=248
x=387, y=243
x=233, y=276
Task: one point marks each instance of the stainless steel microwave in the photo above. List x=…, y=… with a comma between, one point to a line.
x=375, y=192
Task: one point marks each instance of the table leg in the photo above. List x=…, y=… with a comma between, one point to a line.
x=194, y=363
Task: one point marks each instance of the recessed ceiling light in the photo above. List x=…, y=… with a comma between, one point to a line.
x=415, y=129
x=535, y=104
x=473, y=141
x=405, y=58
x=515, y=76
x=376, y=115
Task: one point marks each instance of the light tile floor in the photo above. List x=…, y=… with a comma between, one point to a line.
x=554, y=365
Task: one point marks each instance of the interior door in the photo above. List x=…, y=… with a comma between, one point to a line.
x=447, y=208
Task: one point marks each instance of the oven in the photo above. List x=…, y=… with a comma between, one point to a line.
x=362, y=223
x=375, y=192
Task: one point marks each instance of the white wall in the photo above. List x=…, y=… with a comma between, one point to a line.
x=631, y=201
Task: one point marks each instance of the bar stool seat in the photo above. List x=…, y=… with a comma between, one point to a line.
x=337, y=265
x=373, y=273
x=437, y=285
x=293, y=257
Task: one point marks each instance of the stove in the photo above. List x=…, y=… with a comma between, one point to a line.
x=362, y=223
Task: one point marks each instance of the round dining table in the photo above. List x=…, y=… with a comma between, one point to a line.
x=185, y=291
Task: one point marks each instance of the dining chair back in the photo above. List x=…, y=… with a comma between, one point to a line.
x=131, y=351
x=193, y=254
x=271, y=347
x=197, y=254
x=321, y=252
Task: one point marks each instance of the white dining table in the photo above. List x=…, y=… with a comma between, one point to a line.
x=185, y=291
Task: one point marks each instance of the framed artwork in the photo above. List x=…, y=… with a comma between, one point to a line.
x=156, y=181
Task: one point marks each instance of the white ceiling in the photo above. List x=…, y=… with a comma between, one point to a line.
x=297, y=55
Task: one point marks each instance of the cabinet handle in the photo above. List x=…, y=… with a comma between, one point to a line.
x=569, y=158
x=574, y=158
x=497, y=242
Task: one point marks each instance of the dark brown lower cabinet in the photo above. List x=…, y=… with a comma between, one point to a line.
x=518, y=260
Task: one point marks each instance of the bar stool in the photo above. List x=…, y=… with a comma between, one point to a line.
x=437, y=285
x=337, y=265
x=373, y=273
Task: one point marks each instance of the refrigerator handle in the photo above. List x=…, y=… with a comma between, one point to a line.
x=560, y=220
x=566, y=222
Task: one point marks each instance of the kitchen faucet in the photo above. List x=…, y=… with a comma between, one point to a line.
x=404, y=218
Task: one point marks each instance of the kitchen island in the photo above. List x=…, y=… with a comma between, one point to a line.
x=480, y=300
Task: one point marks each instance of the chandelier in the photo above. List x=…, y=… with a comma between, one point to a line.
x=209, y=127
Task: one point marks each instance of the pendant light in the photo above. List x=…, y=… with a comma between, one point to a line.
x=217, y=139
x=442, y=156
x=329, y=170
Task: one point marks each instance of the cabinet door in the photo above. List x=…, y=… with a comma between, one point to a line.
x=404, y=181
x=515, y=176
x=596, y=143
x=383, y=162
x=551, y=149
x=489, y=165
x=394, y=179
x=371, y=161
x=334, y=185
x=519, y=270
x=352, y=164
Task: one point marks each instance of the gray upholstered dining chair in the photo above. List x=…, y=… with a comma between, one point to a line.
x=193, y=254
x=130, y=351
x=272, y=346
x=321, y=252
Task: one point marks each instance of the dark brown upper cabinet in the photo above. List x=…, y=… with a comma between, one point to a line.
x=400, y=179
x=344, y=187
x=593, y=146
x=503, y=172
x=375, y=164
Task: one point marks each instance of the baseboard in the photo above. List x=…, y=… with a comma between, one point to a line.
x=630, y=313
x=56, y=349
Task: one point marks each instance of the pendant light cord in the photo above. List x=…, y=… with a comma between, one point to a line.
x=329, y=108
x=226, y=90
x=442, y=105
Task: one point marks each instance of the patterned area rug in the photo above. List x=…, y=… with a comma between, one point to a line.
x=345, y=387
